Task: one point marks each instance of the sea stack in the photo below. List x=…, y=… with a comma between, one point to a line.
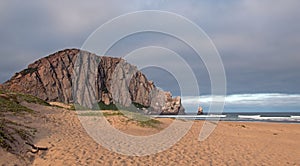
x=200, y=111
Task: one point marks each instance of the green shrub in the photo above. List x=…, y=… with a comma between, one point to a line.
x=114, y=113
x=149, y=123
x=31, y=99
x=8, y=105
x=102, y=106
x=138, y=105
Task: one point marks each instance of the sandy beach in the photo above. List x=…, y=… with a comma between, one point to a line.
x=231, y=143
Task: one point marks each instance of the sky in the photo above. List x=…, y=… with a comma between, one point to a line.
x=258, y=40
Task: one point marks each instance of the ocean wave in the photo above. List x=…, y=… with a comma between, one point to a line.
x=258, y=117
x=248, y=116
x=295, y=117
x=192, y=116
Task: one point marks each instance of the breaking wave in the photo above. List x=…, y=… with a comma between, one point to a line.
x=275, y=118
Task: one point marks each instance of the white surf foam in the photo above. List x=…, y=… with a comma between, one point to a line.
x=295, y=117
x=192, y=116
x=258, y=117
x=248, y=116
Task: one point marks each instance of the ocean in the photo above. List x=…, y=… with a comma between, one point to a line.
x=286, y=117
x=248, y=113
x=262, y=107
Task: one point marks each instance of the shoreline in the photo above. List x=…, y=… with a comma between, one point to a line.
x=242, y=117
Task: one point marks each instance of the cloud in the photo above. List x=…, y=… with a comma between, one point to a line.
x=253, y=100
x=38, y=28
x=257, y=40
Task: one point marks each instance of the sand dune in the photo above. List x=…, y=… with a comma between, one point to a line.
x=232, y=143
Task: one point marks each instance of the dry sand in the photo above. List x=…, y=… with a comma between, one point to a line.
x=231, y=143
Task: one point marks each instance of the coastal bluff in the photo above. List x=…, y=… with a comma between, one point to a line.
x=76, y=76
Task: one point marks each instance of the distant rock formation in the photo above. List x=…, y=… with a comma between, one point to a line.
x=200, y=111
x=73, y=75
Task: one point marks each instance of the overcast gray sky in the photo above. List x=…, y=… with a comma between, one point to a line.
x=258, y=40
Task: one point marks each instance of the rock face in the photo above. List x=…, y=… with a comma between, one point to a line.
x=75, y=76
x=48, y=78
x=164, y=103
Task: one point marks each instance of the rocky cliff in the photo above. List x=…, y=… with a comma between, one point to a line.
x=75, y=76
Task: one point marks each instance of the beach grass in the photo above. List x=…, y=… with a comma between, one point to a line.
x=10, y=131
x=10, y=101
x=12, y=105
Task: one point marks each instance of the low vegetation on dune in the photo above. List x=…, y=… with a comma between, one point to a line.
x=11, y=101
x=11, y=105
x=131, y=113
x=14, y=133
x=138, y=118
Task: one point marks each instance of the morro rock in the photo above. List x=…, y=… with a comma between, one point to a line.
x=75, y=76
